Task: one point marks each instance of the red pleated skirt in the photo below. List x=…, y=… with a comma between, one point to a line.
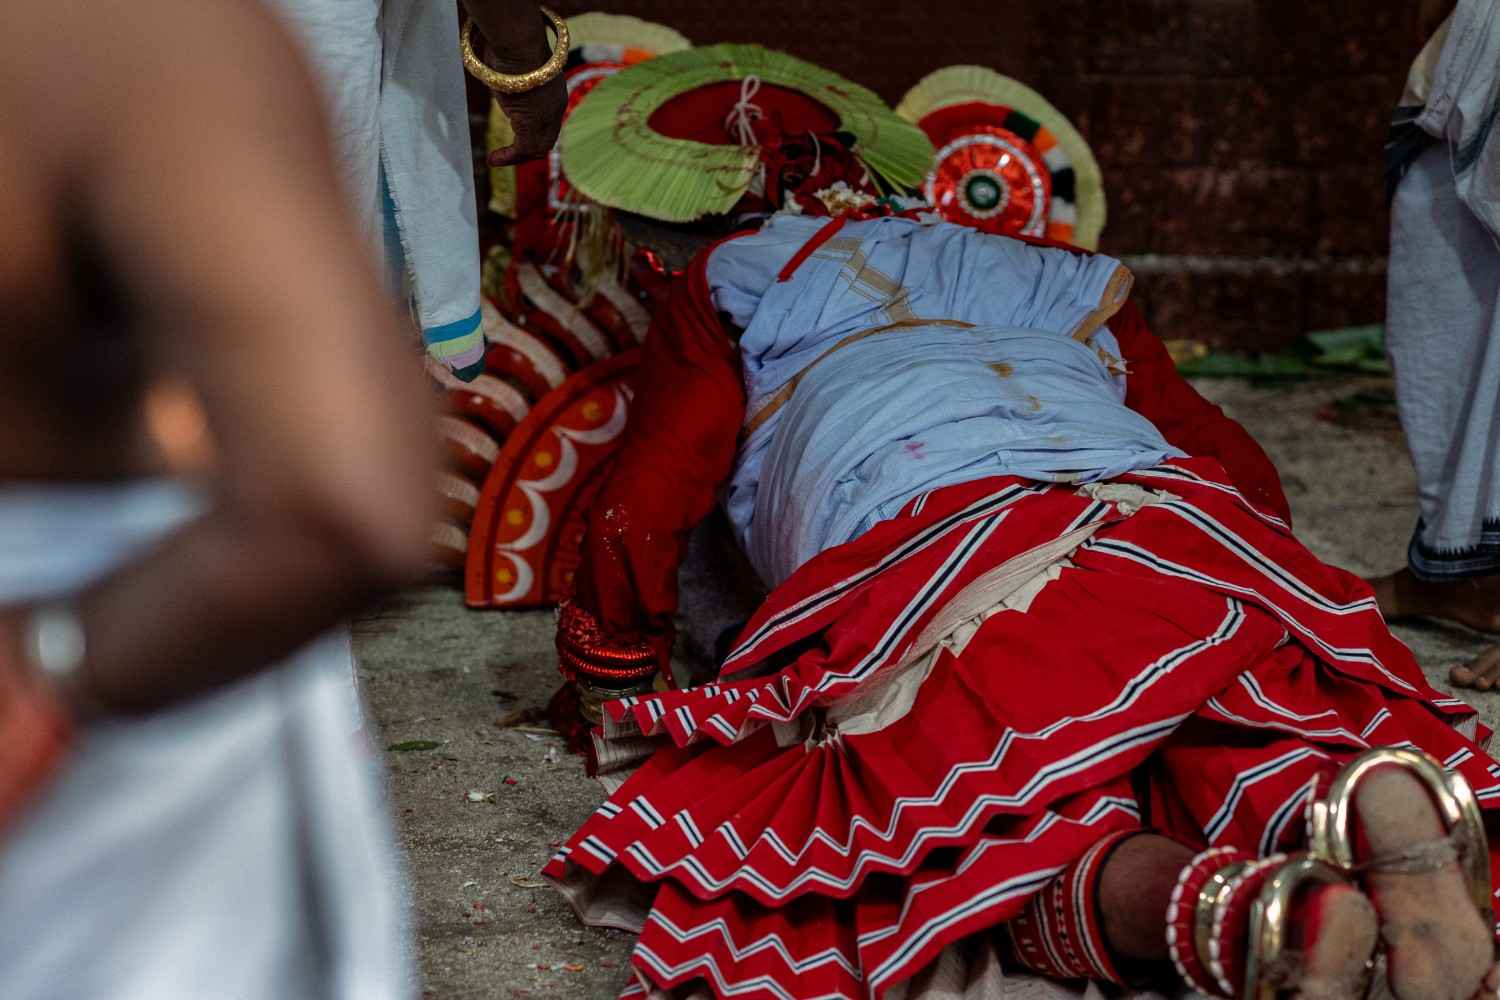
x=1192, y=668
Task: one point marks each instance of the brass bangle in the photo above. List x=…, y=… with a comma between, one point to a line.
x=517, y=83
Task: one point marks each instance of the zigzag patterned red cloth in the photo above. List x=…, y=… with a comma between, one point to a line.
x=1191, y=667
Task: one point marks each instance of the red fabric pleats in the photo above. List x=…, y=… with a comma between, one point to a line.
x=1192, y=668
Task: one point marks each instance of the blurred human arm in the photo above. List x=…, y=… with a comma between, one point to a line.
x=515, y=33
x=188, y=141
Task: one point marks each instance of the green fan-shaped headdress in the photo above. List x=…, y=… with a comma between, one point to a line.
x=615, y=37
x=611, y=153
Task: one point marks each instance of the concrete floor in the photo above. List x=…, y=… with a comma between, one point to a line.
x=433, y=671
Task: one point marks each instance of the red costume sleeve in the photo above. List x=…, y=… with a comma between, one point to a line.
x=1189, y=422
x=677, y=451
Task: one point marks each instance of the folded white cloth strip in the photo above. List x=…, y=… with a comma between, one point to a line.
x=234, y=847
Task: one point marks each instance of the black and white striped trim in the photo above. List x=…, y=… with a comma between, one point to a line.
x=923, y=539
x=770, y=942
x=689, y=829
x=891, y=643
x=1082, y=760
x=996, y=895
x=1260, y=563
x=1457, y=758
x=598, y=849
x=1093, y=512
x=1134, y=553
x=1221, y=818
x=1375, y=722
x=1174, y=472
x=975, y=854
x=647, y=812
x=705, y=966
x=1129, y=694
x=1292, y=809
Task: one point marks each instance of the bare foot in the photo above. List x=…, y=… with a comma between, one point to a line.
x=1474, y=602
x=1439, y=947
x=1340, y=931
x=1483, y=674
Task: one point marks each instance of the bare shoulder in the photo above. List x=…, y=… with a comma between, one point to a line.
x=84, y=76
x=111, y=111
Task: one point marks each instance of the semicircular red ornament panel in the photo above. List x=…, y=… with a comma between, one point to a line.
x=520, y=357
x=528, y=525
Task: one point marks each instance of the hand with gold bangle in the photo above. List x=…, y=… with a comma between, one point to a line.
x=522, y=68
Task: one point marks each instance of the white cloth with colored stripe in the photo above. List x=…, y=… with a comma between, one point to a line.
x=393, y=81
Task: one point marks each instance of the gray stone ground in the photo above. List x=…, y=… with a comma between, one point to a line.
x=434, y=671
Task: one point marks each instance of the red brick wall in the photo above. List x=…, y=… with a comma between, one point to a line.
x=1240, y=139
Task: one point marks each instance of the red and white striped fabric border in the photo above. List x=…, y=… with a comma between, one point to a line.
x=844, y=866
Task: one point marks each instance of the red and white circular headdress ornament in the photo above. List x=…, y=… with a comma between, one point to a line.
x=1007, y=161
x=709, y=131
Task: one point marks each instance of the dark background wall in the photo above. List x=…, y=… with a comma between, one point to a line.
x=1240, y=139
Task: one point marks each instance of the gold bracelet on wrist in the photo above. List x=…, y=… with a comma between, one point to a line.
x=517, y=83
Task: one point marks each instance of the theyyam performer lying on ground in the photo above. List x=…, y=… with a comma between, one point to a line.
x=1046, y=686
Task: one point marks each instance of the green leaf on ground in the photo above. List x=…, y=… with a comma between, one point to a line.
x=1323, y=352
x=1261, y=366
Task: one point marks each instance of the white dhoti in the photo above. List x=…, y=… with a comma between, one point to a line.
x=1443, y=331
x=233, y=847
x=393, y=84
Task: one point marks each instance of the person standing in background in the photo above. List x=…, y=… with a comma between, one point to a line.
x=393, y=81
x=1443, y=327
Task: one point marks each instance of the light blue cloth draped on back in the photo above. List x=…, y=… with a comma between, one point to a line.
x=877, y=421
